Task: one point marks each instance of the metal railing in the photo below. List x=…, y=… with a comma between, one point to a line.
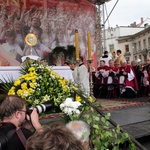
x=85, y=98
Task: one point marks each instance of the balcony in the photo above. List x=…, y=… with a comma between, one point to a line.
x=135, y=52
x=127, y=54
x=144, y=51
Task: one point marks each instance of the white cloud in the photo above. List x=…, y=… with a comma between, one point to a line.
x=127, y=12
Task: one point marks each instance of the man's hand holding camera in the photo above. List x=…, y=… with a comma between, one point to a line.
x=32, y=120
x=35, y=119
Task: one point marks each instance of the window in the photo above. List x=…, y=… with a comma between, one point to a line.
x=140, y=57
x=111, y=47
x=144, y=43
x=128, y=60
x=134, y=47
x=126, y=48
x=139, y=45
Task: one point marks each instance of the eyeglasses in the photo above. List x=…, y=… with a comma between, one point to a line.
x=23, y=111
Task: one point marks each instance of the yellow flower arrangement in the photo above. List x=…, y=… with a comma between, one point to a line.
x=40, y=84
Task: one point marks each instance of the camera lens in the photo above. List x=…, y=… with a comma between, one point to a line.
x=44, y=107
x=41, y=108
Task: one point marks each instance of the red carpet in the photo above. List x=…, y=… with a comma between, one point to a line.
x=109, y=104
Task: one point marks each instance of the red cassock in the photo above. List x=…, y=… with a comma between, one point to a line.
x=115, y=69
x=111, y=77
x=101, y=79
x=130, y=83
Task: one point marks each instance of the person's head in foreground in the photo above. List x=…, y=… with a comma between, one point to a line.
x=54, y=137
x=82, y=132
x=13, y=109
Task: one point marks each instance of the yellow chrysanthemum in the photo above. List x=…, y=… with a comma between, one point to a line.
x=32, y=85
x=19, y=92
x=17, y=82
x=31, y=69
x=91, y=99
x=24, y=86
x=30, y=90
x=78, y=98
x=11, y=92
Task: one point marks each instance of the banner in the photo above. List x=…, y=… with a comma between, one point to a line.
x=52, y=21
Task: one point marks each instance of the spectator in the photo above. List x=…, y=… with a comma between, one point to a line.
x=53, y=137
x=106, y=58
x=139, y=75
x=13, y=114
x=146, y=77
x=81, y=130
x=119, y=58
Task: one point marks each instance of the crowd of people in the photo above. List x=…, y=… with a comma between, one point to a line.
x=17, y=126
x=116, y=78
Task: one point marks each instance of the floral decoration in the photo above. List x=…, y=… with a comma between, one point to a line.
x=40, y=84
x=71, y=108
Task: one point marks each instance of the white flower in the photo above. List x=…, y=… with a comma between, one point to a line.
x=70, y=107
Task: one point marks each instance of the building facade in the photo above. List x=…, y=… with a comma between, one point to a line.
x=133, y=40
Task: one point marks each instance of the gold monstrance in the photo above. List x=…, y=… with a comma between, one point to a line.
x=31, y=40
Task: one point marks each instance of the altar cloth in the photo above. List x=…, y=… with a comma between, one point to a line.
x=13, y=72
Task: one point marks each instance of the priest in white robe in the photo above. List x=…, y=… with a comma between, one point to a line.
x=81, y=77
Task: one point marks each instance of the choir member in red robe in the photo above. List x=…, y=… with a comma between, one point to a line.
x=101, y=73
x=112, y=70
x=127, y=77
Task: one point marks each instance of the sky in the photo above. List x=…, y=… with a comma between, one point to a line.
x=126, y=12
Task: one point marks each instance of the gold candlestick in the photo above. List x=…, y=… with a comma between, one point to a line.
x=89, y=46
x=77, y=44
x=90, y=78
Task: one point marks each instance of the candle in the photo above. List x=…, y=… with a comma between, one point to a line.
x=77, y=44
x=89, y=46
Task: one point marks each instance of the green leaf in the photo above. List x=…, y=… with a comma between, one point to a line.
x=96, y=126
x=7, y=83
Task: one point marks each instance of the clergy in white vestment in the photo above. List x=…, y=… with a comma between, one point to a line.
x=81, y=77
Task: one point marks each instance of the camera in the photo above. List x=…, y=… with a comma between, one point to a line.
x=41, y=108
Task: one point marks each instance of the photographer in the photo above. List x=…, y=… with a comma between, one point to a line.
x=15, y=121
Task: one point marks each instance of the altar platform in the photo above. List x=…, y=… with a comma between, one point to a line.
x=13, y=72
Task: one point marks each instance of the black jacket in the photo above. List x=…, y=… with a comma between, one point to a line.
x=14, y=143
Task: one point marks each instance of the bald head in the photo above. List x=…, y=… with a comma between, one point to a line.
x=123, y=63
x=133, y=63
x=81, y=131
x=148, y=60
